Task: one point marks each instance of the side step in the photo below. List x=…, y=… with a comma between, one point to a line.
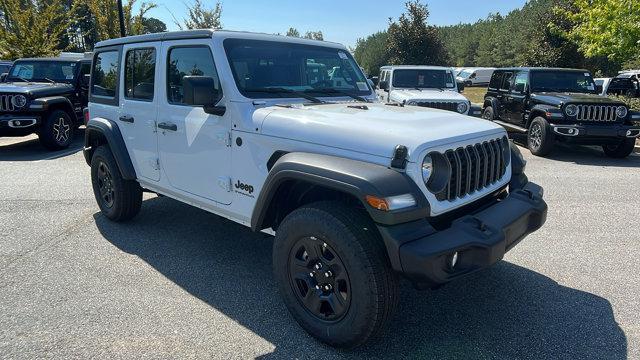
x=510, y=126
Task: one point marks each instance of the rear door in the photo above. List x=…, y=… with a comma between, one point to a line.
x=515, y=104
x=139, y=106
x=195, y=151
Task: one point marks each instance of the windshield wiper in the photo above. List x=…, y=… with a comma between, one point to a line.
x=336, y=92
x=19, y=78
x=283, y=91
x=49, y=80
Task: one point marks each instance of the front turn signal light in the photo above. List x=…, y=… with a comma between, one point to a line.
x=391, y=203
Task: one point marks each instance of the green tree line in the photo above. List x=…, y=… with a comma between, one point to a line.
x=600, y=35
x=34, y=28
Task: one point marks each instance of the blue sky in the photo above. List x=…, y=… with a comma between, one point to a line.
x=341, y=21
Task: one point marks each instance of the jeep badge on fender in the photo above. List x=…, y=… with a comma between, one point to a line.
x=357, y=193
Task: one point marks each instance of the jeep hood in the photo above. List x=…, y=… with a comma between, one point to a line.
x=374, y=129
x=426, y=94
x=555, y=98
x=35, y=89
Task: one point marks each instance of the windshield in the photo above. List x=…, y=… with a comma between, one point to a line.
x=465, y=74
x=423, y=79
x=562, y=81
x=268, y=69
x=58, y=71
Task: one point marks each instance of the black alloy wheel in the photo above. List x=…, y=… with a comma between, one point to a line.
x=105, y=184
x=319, y=279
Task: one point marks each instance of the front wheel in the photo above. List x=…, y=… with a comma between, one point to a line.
x=621, y=150
x=332, y=270
x=57, y=131
x=540, y=139
x=488, y=113
x=119, y=199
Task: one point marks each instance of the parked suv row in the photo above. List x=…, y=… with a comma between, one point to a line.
x=560, y=105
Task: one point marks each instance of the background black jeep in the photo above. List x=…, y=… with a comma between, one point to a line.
x=44, y=96
x=559, y=105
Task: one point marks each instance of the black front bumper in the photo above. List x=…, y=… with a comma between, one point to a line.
x=595, y=134
x=424, y=254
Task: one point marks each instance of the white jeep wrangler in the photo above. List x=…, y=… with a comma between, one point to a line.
x=282, y=135
x=426, y=86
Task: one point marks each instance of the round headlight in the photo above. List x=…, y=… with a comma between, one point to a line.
x=427, y=168
x=462, y=108
x=19, y=101
x=621, y=111
x=571, y=110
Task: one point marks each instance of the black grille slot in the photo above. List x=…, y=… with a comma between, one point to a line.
x=474, y=168
x=443, y=105
x=6, y=104
x=600, y=113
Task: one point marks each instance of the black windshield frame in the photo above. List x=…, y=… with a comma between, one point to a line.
x=562, y=81
x=293, y=56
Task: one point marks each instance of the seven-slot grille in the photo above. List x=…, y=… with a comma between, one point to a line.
x=6, y=104
x=596, y=113
x=444, y=105
x=475, y=167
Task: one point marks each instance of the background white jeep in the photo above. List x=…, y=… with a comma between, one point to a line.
x=280, y=134
x=426, y=86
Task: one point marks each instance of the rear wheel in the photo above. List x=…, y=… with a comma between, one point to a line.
x=621, y=150
x=58, y=131
x=333, y=273
x=119, y=199
x=540, y=139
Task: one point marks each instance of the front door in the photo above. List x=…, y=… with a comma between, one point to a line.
x=504, y=96
x=195, y=152
x=518, y=97
x=139, y=106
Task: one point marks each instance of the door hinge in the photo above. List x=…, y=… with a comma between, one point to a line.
x=225, y=137
x=225, y=183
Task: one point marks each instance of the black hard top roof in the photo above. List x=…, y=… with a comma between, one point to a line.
x=539, y=69
x=165, y=36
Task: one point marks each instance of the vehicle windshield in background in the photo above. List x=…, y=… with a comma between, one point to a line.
x=267, y=69
x=562, y=81
x=423, y=79
x=465, y=74
x=46, y=71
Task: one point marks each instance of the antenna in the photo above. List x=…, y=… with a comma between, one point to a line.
x=121, y=16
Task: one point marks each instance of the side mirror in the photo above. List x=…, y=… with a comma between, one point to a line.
x=375, y=80
x=384, y=85
x=201, y=91
x=3, y=77
x=472, y=76
x=460, y=85
x=520, y=88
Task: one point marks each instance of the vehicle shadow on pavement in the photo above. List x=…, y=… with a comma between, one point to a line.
x=505, y=312
x=30, y=149
x=581, y=155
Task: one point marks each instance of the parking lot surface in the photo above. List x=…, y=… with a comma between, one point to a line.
x=178, y=282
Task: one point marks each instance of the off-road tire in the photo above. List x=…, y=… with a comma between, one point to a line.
x=621, y=150
x=57, y=131
x=373, y=284
x=540, y=137
x=488, y=113
x=119, y=199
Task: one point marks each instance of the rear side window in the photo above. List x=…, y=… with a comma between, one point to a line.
x=506, y=81
x=105, y=74
x=188, y=61
x=495, y=80
x=139, y=75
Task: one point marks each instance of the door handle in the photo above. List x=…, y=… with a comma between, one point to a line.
x=168, y=126
x=128, y=119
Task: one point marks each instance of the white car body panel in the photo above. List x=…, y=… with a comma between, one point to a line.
x=194, y=159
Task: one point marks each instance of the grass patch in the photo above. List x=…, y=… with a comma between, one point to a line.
x=475, y=94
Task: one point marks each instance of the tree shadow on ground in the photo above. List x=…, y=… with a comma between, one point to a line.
x=30, y=149
x=505, y=312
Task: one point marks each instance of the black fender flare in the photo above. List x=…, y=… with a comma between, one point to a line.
x=353, y=177
x=491, y=101
x=47, y=102
x=101, y=128
x=549, y=112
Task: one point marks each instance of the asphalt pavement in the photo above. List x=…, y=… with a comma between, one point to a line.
x=178, y=282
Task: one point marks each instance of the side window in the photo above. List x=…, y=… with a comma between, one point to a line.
x=188, y=61
x=495, y=80
x=506, y=81
x=139, y=74
x=520, y=82
x=105, y=74
x=85, y=68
